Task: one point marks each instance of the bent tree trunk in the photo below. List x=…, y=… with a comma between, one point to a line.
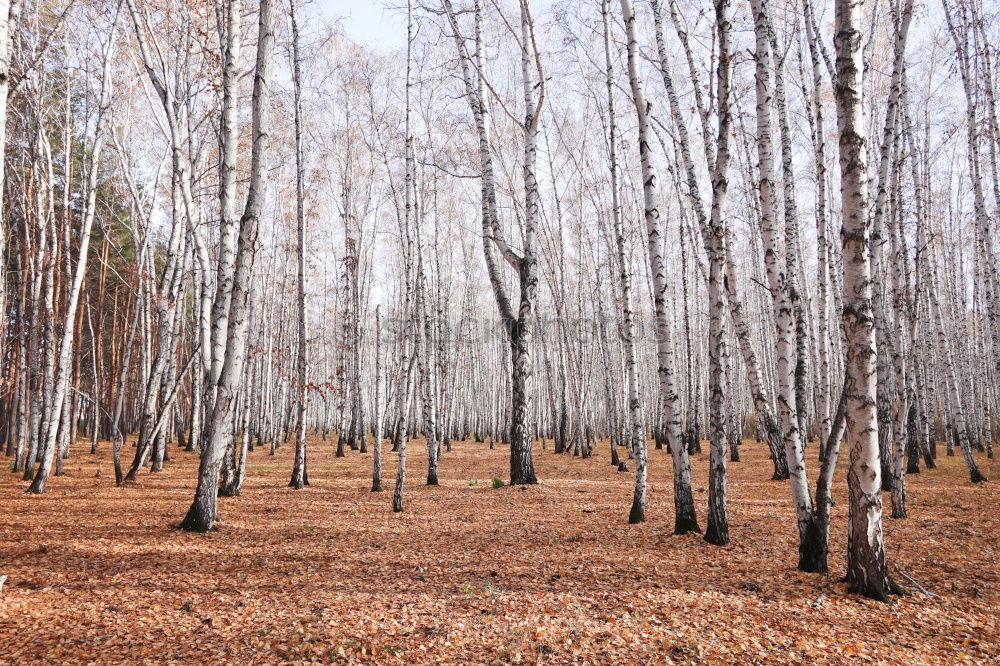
x=824, y=486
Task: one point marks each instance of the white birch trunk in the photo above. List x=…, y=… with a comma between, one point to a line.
x=685, y=518
x=300, y=473
x=202, y=514
x=66, y=345
x=867, y=571
x=779, y=253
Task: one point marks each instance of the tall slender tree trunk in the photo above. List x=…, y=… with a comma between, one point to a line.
x=408, y=356
x=64, y=367
x=634, y=429
x=761, y=400
x=717, y=531
x=202, y=514
x=779, y=258
x=867, y=571
x=10, y=11
x=522, y=468
x=378, y=420
x=300, y=474
x=229, y=23
x=685, y=518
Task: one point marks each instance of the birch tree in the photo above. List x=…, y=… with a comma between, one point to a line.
x=66, y=344
x=867, y=571
x=685, y=518
x=202, y=514
x=778, y=251
x=300, y=474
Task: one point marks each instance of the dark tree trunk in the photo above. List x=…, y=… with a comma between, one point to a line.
x=300, y=475
x=522, y=469
x=912, y=442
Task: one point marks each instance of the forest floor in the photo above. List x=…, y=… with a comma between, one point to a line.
x=473, y=574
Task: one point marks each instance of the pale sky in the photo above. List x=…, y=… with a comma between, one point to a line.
x=368, y=22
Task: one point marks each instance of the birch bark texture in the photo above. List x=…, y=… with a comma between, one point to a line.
x=685, y=519
x=300, y=473
x=201, y=516
x=867, y=571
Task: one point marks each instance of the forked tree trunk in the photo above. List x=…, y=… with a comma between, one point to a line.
x=519, y=325
x=522, y=468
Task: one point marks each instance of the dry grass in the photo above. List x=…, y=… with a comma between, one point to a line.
x=549, y=574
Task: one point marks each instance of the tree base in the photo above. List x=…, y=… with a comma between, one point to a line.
x=876, y=592
x=196, y=521
x=879, y=590
x=977, y=477
x=636, y=515
x=813, y=550
x=717, y=537
x=684, y=525
x=524, y=481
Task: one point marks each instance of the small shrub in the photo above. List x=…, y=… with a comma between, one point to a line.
x=497, y=482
